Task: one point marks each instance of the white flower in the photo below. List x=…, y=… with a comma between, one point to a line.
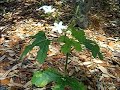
x=58, y=27
x=47, y=9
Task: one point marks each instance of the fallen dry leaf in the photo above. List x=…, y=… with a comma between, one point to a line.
x=71, y=72
x=2, y=58
x=101, y=38
x=104, y=71
x=5, y=81
x=2, y=40
x=27, y=84
x=111, y=44
x=87, y=63
x=107, y=52
x=12, y=83
x=97, y=61
x=7, y=72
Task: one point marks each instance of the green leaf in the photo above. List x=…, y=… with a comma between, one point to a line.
x=66, y=48
x=58, y=87
x=79, y=35
x=100, y=56
x=38, y=79
x=40, y=34
x=42, y=53
x=27, y=49
x=43, y=43
x=41, y=79
x=30, y=47
x=89, y=44
x=68, y=43
x=76, y=45
x=75, y=84
x=94, y=48
x=64, y=39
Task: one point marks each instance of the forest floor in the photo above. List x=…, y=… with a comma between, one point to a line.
x=22, y=20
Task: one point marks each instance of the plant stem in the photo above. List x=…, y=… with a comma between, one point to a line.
x=66, y=63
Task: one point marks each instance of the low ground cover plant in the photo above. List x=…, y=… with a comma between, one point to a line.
x=77, y=41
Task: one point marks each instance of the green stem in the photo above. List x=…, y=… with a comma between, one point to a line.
x=66, y=63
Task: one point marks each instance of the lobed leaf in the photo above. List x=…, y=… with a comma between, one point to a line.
x=64, y=39
x=79, y=35
x=94, y=48
x=66, y=48
x=58, y=87
x=43, y=43
x=68, y=44
x=30, y=47
x=42, y=78
x=76, y=45
x=100, y=55
x=75, y=84
x=42, y=53
x=40, y=34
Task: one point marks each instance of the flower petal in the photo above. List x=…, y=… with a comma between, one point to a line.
x=59, y=31
x=60, y=23
x=54, y=29
x=55, y=24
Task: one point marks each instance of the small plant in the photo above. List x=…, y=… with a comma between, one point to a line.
x=77, y=41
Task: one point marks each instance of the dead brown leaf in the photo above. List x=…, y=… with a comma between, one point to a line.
x=5, y=81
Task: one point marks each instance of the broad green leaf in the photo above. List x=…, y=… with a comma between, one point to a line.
x=58, y=87
x=40, y=34
x=100, y=56
x=41, y=79
x=30, y=47
x=42, y=53
x=79, y=35
x=94, y=48
x=27, y=49
x=89, y=44
x=66, y=48
x=38, y=79
x=75, y=84
x=43, y=43
x=68, y=43
x=64, y=39
x=76, y=45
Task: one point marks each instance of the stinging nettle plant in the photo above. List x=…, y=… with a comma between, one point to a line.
x=61, y=81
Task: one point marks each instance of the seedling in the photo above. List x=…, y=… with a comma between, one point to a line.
x=77, y=40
